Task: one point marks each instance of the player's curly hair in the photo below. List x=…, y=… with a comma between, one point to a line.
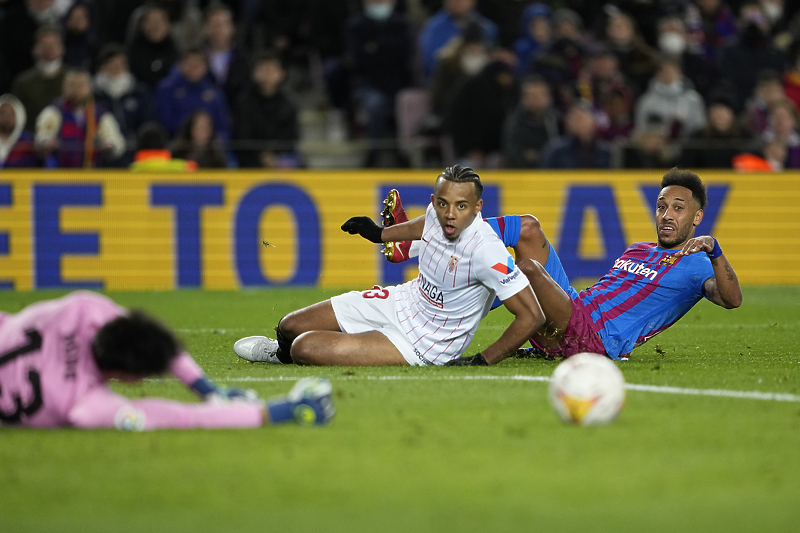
x=690, y=180
x=459, y=174
x=136, y=344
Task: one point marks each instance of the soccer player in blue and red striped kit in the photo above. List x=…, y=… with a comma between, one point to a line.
x=647, y=289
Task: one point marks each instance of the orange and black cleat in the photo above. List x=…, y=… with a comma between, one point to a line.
x=393, y=213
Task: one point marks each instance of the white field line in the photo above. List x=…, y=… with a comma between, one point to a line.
x=747, y=395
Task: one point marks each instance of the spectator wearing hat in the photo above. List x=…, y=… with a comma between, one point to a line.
x=579, y=147
x=537, y=33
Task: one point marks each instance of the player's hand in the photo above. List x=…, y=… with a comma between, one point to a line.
x=232, y=394
x=365, y=227
x=473, y=360
x=698, y=244
x=311, y=401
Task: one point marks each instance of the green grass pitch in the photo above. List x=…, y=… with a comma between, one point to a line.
x=431, y=450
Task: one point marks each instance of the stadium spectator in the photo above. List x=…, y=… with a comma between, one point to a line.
x=782, y=140
x=16, y=144
x=477, y=112
x=196, y=141
x=637, y=60
x=188, y=89
x=185, y=21
x=38, y=86
x=612, y=96
x=379, y=49
x=791, y=80
x=152, y=154
x=752, y=52
x=710, y=25
x=80, y=39
x=113, y=17
x=266, y=116
x=562, y=62
x=533, y=123
x=18, y=30
x=537, y=33
x=673, y=43
x=579, y=147
x=116, y=90
x=152, y=51
x=718, y=142
x=768, y=91
x=462, y=57
x=447, y=23
x=74, y=131
x=228, y=63
x=649, y=148
x=67, y=350
x=427, y=321
x=673, y=101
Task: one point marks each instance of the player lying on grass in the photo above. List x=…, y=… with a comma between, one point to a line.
x=429, y=320
x=56, y=357
x=647, y=290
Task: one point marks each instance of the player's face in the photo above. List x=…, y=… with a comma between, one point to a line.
x=456, y=206
x=677, y=214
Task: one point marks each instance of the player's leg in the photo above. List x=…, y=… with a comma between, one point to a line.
x=325, y=348
x=532, y=243
x=556, y=304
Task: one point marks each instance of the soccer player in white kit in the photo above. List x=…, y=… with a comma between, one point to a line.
x=56, y=356
x=428, y=321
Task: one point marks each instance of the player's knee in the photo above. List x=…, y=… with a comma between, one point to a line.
x=290, y=326
x=530, y=228
x=302, y=349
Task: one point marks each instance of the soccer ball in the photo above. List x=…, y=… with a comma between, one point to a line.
x=587, y=389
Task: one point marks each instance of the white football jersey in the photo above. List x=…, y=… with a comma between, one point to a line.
x=458, y=280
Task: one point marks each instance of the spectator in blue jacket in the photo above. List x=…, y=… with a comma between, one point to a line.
x=447, y=23
x=186, y=89
x=579, y=148
x=537, y=33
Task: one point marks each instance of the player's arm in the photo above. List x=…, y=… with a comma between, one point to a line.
x=367, y=228
x=528, y=317
x=723, y=289
x=188, y=372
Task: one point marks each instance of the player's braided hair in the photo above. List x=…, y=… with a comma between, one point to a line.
x=459, y=174
x=135, y=344
x=690, y=180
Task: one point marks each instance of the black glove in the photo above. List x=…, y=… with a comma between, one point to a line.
x=365, y=227
x=473, y=360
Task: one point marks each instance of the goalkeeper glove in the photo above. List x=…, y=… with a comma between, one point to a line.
x=365, y=227
x=474, y=360
x=308, y=403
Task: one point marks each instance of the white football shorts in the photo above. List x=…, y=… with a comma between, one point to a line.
x=373, y=310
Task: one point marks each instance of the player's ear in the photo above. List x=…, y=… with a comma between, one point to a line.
x=698, y=218
x=478, y=206
x=432, y=197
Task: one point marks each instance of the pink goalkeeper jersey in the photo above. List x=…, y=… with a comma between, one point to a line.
x=48, y=376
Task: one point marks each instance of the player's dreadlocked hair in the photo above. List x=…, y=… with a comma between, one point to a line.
x=459, y=174
x=690, y=180
x=135, y=344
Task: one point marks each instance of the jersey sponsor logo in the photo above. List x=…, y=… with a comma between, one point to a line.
x=430, y=292
x=510, y=278
x=636, y=268
x=452, y=264
x=505, y=268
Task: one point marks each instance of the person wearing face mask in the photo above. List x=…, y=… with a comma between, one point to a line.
x=117, y=90
x=751, y=53
x=674, y=43
x=18, y=32
x=671, y=99
x=461, y=58
x=37, y=87
x=378, y=50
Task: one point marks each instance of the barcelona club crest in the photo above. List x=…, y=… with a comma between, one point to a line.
x=451, y=266
x=668, y=260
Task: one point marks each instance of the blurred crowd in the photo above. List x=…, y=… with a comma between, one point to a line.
x=491, y=84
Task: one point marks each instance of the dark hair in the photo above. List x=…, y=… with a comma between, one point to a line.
x=135, y=344
x=459, y=174
x=768, y=75
x=108, y=52
x=265, y=55
x=215, y=7
x=193, y=51
x=688, y=179
x=151, y=136
x=47, y=29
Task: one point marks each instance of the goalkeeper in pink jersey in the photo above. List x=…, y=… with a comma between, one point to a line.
x=57, y=356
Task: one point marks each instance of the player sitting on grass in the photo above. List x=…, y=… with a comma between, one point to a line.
x=56, y=356
x=647, y=290
x=429, y=320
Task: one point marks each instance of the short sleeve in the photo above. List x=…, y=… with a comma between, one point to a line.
x=496, y=269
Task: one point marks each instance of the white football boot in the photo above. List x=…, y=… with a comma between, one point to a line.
x=258, y=349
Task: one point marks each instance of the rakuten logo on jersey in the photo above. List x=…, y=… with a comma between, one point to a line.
x=430, y=292
x=636, y=268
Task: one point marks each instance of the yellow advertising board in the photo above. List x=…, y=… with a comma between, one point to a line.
x=138, y=231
